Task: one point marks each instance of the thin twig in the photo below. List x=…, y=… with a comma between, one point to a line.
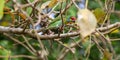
x=75, y=4
x=20, y=56
x=65, y=45
x=29, y=45
x=12, y=38
x=86, y=4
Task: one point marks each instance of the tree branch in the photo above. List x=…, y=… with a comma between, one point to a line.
x=31, y=33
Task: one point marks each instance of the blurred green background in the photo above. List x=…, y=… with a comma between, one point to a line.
x=10, y=48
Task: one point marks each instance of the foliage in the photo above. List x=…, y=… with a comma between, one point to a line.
x=1, y=8
x=51, y=20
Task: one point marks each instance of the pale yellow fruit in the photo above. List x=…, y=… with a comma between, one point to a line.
x=86, y=21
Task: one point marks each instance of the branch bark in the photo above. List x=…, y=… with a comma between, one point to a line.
x=31, y=33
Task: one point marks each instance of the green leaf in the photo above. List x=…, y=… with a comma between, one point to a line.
x=31, y=0
x=1, y=8
x=29, y=10
x=55, y=24
x=99, y=14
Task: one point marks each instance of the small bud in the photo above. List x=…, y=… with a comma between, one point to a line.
x=73, y=18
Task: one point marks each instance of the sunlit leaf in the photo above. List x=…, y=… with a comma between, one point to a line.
x=65, y=44
x=86, y=22
x=1, y=47
x=55, y=24
x=5, y=23
x=99, y=14
x=29, y=10
x=107, y=55
x=52, y=3
x=1, y=8
x=115, y=31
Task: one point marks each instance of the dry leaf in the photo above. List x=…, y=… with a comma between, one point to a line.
x=86, y=22
x=52, y=3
